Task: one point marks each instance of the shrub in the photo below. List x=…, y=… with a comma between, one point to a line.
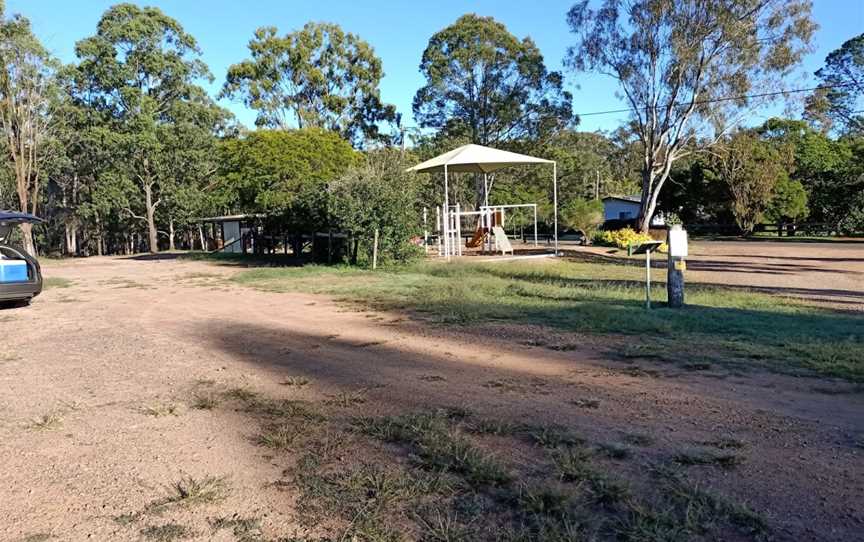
x=584, y=216
x=623, y=238
x=378, y=194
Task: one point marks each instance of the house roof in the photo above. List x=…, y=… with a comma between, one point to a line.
x=230, y=218
x=476, y=159
x=629, y=199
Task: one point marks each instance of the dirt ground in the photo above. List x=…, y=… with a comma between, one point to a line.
x=98, y=379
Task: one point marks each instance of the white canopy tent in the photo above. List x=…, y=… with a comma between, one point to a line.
x=479, y=159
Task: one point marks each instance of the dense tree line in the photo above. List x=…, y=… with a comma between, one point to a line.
x=123, y=150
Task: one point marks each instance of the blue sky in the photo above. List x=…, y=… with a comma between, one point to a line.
x=398, y=30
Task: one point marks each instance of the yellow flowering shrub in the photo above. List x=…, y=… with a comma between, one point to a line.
x=623, y=238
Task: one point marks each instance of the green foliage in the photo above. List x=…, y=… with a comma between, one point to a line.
x=840, y=105
x=831, y=171
x=27, y=92
x=488, y=86
x=665, y=53
x=139, y=73
x=378, y=195
x=584, y=216
x=751, y=169
x=277, y=171
x=789, y=202
x=319, y=75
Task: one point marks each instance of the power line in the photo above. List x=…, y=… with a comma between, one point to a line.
x=723, y=99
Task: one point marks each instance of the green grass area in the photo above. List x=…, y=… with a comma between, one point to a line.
x=734, y=328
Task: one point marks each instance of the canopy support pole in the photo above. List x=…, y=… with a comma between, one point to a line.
x=555, y=201
x=446, y=215
x=535, y=226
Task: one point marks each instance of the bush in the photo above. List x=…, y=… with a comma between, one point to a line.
x=623, y=238
x=584, y=216
x=378, y=195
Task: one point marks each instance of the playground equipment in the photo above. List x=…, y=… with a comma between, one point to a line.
x=479, y=160
x=486, y=220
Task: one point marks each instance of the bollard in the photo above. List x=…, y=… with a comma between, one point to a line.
x=676, y=241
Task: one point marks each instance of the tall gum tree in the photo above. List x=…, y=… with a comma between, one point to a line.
x=138, y=68
x=27, y=94
x=684, y=68
x=315, y=77
x=488, y=87
x=839, y=104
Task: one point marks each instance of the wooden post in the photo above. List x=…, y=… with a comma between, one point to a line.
x=375, y=250
x=648, y=279
x=674, y=277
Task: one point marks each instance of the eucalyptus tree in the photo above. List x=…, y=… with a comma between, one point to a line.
x=141, y=70
x=685, y=67
x=485, y=84
x=315, y=77
x=840, y=102
x=27, y=94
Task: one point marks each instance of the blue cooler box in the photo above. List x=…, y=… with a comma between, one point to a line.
x=13, y=271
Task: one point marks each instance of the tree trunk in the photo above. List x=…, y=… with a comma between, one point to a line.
x=151, y=218
x=27, y=239
x=171, y=245
x=651, y=185
x=201, y=236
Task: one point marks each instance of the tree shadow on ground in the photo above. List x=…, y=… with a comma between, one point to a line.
x=395, y=378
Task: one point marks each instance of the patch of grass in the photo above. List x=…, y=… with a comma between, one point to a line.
x=240, y=394
x=614, y=451
x=243, y=529
x=366, y=496
x=722, y=326
x=638, y=439
x=45, y=422
x=585, y=403
x=121, y=283
x=725, y=443
x=280, y=435
x=189, y=491
x=573, y=465
x=166, y=532
x=553, y=436
x=205, y=400
x=347, y=399
x=707, y=457
x=158, y=410
x=439, y=447
x=295, y=381
x=437, y=525
x=9, y=356
x=518, y=385
x=284, y=408
x=56, y=282
x=492, y=426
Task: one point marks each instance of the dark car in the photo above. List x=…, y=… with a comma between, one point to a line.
x=20, y=275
